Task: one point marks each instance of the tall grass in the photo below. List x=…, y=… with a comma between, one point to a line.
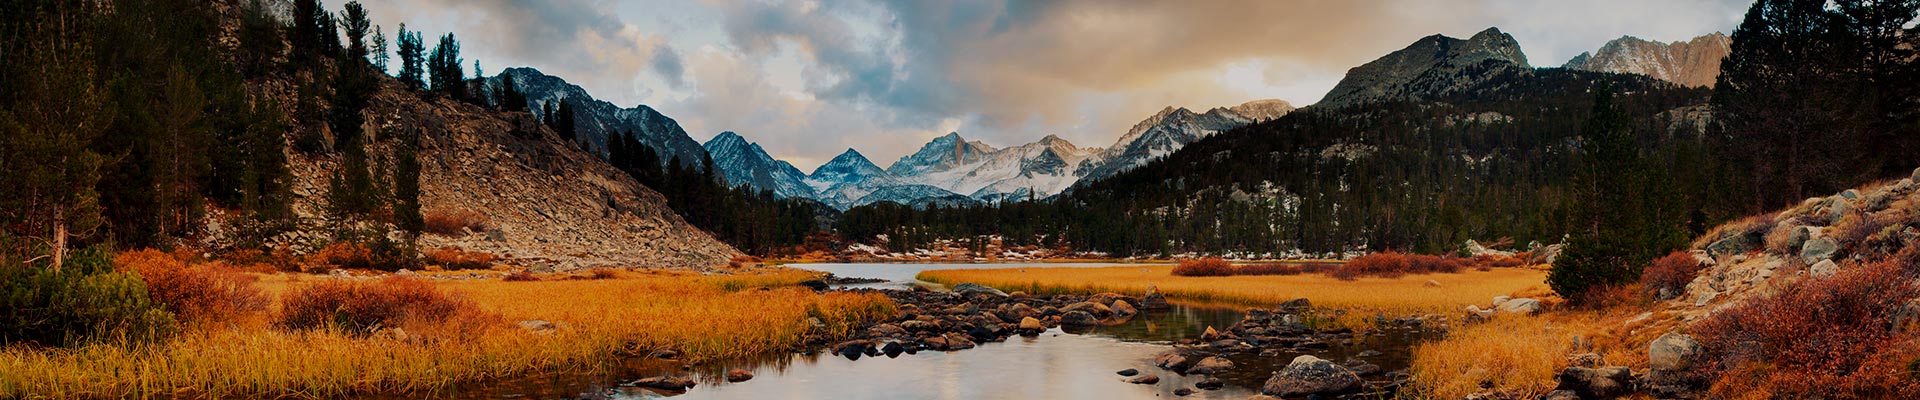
x=1396, y=296
x=597, y=321
x=1514, y=354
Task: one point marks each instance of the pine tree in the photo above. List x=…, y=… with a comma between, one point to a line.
x=356, y=25
x=51, y=108
x=443, y=65
x=412, y=56
x=1627, y=216
x=406, y=186
x=260, y=39
x=379, y=50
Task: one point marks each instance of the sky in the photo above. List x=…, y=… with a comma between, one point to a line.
x=809, y=79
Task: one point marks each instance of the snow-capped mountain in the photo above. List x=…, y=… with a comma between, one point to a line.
x=1692, y=63
x=596, y=120
x=1169, y=130
x=848, y=178
x=916, y=196
x=1044, y=166
x=941, y=154
x=745, y=163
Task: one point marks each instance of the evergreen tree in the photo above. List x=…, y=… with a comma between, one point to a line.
x=379, y=50
x=443, y=65
x=406, y=186
x=261, y=42
x=412, y=55
x=1626, y=216
x=355, y=22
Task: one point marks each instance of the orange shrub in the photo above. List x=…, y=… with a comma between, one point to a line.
x=602, y=273
x=455, y=222
x=1393, y=265
x=1210, y=266
x=521, y=276
x=452, y=258
x=364, y=307
x=1818, y=338
x=1669, y=274
x=199, y=292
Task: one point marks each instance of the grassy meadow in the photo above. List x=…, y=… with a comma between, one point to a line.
x=596, y=321
x=1402, y=295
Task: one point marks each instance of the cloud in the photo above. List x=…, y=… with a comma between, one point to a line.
x=582, y=40
x=808, y=78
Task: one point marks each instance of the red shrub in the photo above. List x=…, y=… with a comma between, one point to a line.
x=452, y=258
x=455, y=222
x=1669, y=274
x=202, y=292
x=1393, y=265
x=364, y=307
x=522, y=276
x=1211, y=266
x=603, y=273
x=1819, y=338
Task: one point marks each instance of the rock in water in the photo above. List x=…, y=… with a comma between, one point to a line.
x=1211, y=366
x=1147, y=379
x=973, y=288
x=1078, y=318
x=1153, y=300
x=672, y=383
x=738, y=375
x=1031, y=324
x=1309, y=375
x=1128, y=372
x=1173, y=361
x=1121, y=308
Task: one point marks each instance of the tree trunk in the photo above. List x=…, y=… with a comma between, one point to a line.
x=59, y=237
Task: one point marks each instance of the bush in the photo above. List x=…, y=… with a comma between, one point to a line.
x=366, y=307
x=82, y=301
x=1668, y=276
x=1270, y=269
x=603, y=273
x=452, y=258
x=521, y=276
x=455, y=223
x=379, y=254
x=1393, y=265
x=1210, y=266
x=1818, y=338
x=196, y=293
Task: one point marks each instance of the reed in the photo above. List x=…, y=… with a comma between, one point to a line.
x=596, y=323
x=1360, y=297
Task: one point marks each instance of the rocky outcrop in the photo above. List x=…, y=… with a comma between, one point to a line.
x=548, y=203
x=1691, y=63
x=744, y=163
x=1429, y=66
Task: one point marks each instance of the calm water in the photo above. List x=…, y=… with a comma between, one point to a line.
x=900, y=276
x=1055, y=365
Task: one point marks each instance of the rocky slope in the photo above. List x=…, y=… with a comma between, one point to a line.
x=1692, y=63
x=598, y=120
x=745, y=163
x=548, y=203
x=1429, y=66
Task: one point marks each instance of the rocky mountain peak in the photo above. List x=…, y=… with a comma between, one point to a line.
x=1694, y=62
x=1428, y=66
x=1263, y=110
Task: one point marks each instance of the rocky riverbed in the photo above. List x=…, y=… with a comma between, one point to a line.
x=1277, y=351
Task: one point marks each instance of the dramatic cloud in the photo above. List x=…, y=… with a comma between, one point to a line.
x=808, y=79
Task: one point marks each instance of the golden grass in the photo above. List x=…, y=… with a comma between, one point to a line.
x=1520, y=355
x=597, y=321
x=1361, y=297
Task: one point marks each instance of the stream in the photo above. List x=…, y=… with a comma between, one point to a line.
x=1074, y=363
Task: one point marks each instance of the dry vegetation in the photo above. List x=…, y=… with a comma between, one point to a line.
x=455, y=222
x=1410, y=294
x=326, y=338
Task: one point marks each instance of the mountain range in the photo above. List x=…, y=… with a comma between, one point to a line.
x=952, y=170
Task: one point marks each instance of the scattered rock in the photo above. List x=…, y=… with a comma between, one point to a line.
x=1296, y=304
x=1147, y=379
x=738, y=375
x=1521, y=306
x=1818, y=249
x=1211, y=383
x=1210, y=334
x=1121, y=308
x=1153, y=300
x=1671, y=353
x=1182, y=392
x=1824, y=269
x=537, y=326
x=1173, y=361
x=1432, y=283
x=1588, y=360
x=1128, y=372
x=1030, y=324
x=1562, y=395
x=1597, y=383
x=1309, y=375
